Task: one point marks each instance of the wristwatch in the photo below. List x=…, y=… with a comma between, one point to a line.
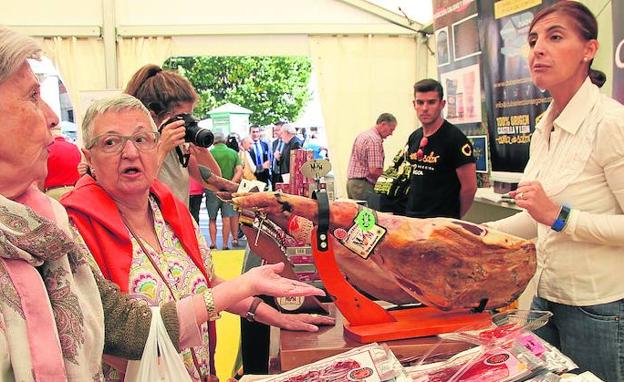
x=251, y=313
x=562, y=219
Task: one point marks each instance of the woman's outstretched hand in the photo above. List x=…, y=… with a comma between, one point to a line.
x=304, y=322
x=265, y=280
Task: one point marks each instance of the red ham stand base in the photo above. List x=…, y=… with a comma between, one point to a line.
x=369, y=322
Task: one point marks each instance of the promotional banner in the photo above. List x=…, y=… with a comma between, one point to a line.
x=513, y=103
x=618, y=54
x=458, y=52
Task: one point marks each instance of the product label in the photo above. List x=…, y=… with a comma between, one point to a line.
x=365, y=219
x=290, y=303
x=363, y=242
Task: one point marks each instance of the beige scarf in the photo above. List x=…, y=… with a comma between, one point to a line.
x=51, y=318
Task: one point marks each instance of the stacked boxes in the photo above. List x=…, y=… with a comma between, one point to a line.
x=302, y=261
x=325, y=184
x=299, y=184
x=283, y=187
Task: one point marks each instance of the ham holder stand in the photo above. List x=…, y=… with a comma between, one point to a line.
x=366, y=320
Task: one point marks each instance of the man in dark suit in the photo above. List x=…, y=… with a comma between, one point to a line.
x=276, y=148
x=260, y=154
x=291, y=142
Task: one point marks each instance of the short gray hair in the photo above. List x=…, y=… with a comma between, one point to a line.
x=289, y=128
x=219, y=137
x=112, y=104
x=15, y=49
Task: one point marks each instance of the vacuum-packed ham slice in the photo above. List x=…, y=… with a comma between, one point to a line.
x=444, y=263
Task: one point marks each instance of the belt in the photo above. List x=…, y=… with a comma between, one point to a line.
x=363, y=179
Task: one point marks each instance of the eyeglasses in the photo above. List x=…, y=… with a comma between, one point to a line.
x=423, y=143
x=114, y=143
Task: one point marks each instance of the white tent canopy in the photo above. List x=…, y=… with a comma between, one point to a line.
x=365, y=57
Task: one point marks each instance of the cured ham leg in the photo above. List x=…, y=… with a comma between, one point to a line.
x=444, y=263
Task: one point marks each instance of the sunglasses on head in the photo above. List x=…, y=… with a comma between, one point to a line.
x=423, y=143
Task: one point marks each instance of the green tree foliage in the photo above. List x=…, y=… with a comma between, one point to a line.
x=274, y=88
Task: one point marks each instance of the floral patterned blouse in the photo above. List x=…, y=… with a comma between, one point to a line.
x=183, y=276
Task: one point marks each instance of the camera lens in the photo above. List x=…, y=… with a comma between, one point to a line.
x=203, y=137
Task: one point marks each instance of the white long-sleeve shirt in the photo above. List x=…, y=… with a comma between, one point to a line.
x=583, y=168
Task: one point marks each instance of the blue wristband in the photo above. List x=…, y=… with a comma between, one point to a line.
x=562, y=219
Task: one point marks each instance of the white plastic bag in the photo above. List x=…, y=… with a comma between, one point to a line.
x=152, y=368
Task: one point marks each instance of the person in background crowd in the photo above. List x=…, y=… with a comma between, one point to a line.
x=276, y=148
x=291, y=142
x=572, y=194
x=49, y=291
x=196, y=194
x=260, y=154
x=313, y=144
x=167, y=94
x=444, y=173
x=231, y=169
x=367, y=158
x=302, y=135
x=63, y=160
x=233, y=141
x=245, y=154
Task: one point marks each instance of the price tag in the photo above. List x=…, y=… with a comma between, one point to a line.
x=316, y=168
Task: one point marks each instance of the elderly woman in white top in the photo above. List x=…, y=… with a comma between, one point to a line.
x=56, y=317
x=572, y=194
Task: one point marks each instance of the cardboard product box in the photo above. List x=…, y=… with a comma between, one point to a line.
x=304, y=250
x=307, y=276
x=284, y=187
x=304, y=268
x=317, y=283
x=297, y=181
x=301, y=259
x=313, y=187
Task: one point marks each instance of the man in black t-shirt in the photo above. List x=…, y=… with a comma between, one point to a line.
x=444, y=179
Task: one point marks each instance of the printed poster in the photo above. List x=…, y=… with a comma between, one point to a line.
x=513, y=103
x=458, y=52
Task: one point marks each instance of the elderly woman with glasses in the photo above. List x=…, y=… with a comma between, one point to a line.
x=57, y=317
x=142, y=237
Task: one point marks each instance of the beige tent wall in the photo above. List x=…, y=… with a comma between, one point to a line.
x=367, y=58
x=360, y=77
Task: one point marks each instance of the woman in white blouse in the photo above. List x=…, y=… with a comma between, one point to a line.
x=572, y=194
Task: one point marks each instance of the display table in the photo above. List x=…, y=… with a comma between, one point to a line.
x=490, y=206
x=291, y=349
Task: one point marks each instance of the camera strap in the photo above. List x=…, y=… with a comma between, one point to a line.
x=183, y=158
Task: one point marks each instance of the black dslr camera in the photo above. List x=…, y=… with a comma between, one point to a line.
x=194, y=134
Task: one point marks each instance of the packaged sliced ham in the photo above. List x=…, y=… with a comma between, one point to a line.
x=370, y=363
x=480, y=365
